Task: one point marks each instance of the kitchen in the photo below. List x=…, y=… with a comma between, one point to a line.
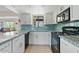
x=39, y=29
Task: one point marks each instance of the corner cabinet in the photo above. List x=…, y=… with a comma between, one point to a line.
x=18, y=44
x=5, y=47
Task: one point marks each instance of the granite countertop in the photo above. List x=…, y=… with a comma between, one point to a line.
x=4, y=37
x=73, y=39
x=41, y=29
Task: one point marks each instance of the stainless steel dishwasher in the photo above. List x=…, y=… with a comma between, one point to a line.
x=55, y=43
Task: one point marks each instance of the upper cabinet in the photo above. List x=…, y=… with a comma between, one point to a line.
x=25, y=18
x=74, y=12
x=54, y=16
x=58, y=10
x=62, y=8
x=63, y=16
x=49, y=18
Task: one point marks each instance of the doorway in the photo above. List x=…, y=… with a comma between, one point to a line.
x=38, y=21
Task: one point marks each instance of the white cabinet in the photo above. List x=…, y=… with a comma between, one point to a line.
x=61, y=8
x=74, y=12
x=25, y=18
x=18, y=44
x=58, y=10
x=65, y=6
x=54, y=16
x=40, y=38
x=49, y=18
x=5, y=47
x=49, y=38
x=66, y=47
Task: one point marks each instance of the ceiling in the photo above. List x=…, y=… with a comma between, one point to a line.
x=34, y=9
x=10, y=10
x=3, y=8
x=4, y=11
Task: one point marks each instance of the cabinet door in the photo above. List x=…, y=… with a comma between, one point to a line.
x=25, y=18
x=62, y=46
x=44, y=38
x=75, y=12
x=61, y=8
x=77, y=48
x=49, y=18
x=66, y=6
x=66, y=47
x=18, y=44
x=5, y=47
x=49, y=38
x=54, y=17
x=40, y=38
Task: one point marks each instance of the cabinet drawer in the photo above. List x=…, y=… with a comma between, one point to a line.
x=5, y=47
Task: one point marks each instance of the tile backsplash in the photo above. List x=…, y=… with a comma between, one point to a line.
x=26, y=27
x=53, y=27
x=60, y=25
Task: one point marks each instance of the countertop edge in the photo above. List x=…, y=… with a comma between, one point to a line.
x=11, y=38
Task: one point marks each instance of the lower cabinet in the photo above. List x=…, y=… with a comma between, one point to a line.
x=66, y=47
x=40, y=38
x=5, y=47
x=18, y=44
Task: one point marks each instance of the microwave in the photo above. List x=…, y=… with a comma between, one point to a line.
x=64, y=16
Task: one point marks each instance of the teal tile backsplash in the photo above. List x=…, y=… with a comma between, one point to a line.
x=26, y=27
x=52, y=27
x=60, y=25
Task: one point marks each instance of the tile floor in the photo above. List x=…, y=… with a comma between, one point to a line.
x=38, y=49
